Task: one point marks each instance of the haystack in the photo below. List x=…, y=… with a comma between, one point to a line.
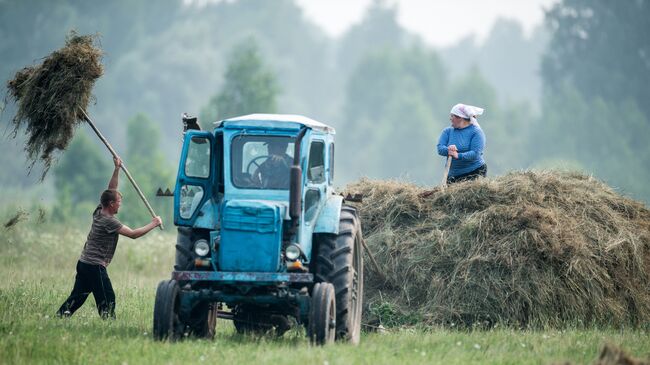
x=50, y=97
x=528, y=249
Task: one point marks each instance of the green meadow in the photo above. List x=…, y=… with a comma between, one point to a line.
x=37, y=266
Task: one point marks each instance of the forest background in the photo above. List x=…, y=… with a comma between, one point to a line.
x=571, y=94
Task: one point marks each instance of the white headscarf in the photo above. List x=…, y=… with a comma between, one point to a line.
x=467, y=112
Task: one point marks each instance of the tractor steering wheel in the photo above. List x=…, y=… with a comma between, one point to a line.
x=255, y=176
x=254, y=162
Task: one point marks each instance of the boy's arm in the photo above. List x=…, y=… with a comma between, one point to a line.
x=139, y=232
x=112, y=184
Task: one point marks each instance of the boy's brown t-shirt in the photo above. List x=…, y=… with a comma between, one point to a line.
x=102, y=240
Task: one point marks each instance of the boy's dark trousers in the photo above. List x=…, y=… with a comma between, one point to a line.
x=90, y=279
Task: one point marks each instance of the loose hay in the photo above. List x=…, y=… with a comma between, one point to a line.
x=529, y=249
x=20, y=216
x=50, y=97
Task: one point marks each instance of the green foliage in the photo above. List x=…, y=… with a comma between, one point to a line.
x=606, y=138
x=249, y=87
x=594, y=109
x=601, y=47
x=389, y=315
x=377, y=31
x=508, y=59
x=144, y=160
x=400, y=100
x=386, y=116
x=14, y=163
x=391, y=98
x=79, y=179
x=83, y=173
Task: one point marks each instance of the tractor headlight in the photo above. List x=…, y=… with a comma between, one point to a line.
x=201, y=247
x=292, y=252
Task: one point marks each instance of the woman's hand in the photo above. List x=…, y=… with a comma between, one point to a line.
x=117, y=162
x=452, y=151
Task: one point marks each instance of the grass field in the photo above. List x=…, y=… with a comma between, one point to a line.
x=37, y=269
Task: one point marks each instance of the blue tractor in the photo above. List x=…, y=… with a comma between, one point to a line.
x=263, y=240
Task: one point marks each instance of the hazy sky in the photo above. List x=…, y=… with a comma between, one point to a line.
x=439, y=22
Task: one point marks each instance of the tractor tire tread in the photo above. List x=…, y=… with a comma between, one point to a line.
x=339, y=250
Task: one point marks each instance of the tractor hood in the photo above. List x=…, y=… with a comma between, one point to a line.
x=251, y=235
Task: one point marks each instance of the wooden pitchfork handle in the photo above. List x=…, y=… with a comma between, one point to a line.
x=444, y=176
x=128, y=175
x=374, y=262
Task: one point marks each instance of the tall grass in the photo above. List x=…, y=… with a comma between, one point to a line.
x=37, y=266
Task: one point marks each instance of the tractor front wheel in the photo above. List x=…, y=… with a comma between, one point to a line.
x=321, y=329
x=166, y=320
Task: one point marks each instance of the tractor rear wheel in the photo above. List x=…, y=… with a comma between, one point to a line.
x=321, y=329
x=339, y=261
x=166, y=321
x=203, y=320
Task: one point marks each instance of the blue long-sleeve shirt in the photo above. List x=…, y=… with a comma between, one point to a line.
x=470, y=142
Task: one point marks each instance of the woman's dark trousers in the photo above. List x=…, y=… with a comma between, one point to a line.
x=481, y=171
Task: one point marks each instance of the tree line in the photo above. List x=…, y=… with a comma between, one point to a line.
x=386, y=92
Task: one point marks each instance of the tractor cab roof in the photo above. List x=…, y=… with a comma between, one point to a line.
x=273, y=121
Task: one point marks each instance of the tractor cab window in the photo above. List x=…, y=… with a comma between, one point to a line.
x=316, y=168
x=197, y=163
x=191, y=196
x=262, y=162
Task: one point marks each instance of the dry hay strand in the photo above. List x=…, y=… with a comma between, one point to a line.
x=41, y=216
x=20, y=216
x=51, y=95
x=528, y=249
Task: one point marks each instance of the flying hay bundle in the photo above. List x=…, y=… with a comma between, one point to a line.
x=529, y=249
x=51, y=96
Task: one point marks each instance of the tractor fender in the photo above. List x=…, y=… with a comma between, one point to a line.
x=328, y=219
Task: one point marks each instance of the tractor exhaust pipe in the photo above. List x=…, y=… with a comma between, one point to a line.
x=295, y=186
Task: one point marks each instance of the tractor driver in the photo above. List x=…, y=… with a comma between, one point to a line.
x=273, y=173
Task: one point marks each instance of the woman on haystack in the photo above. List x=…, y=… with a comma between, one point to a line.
x=464, y=141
